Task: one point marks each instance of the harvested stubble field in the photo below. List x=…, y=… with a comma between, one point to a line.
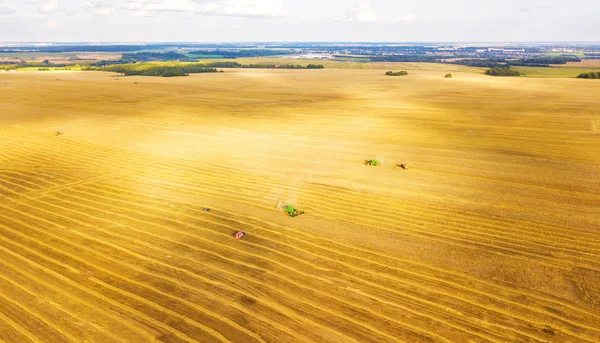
x=491, y=235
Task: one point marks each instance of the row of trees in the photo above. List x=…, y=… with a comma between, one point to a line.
x=502, y=71
x=298, y=66
x=544, y=61
x=522, y=62
x=275, y=66
x=11, y=65
x=590, y=75
x=156, y=69
x=159, y=70
x=170, y=69
x=481, y=62
x=474, y=62
x=231, y=64
x=397, y=73
x=224, y=65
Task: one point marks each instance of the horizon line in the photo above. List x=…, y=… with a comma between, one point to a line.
x=300, y=41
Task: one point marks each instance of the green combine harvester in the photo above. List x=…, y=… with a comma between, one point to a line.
x=292, y=211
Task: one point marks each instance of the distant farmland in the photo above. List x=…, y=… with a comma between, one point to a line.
x=120, y=197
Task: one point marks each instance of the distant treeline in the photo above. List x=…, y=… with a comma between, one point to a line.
x=545, y=61
x=184, y=69
x=105, y=63
x=482, y=63
x=397, y=73
x=17, y=65
x=502, y=71
x=218, y=53
x=478, y=62
x=262, y=66
x=155, y=56
x=524, y=62
x=297, y=66
x=158, y=70
x=590, y=75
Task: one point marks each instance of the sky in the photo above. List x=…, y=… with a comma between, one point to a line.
x=299, y=20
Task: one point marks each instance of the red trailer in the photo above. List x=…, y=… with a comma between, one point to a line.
x=239, y=234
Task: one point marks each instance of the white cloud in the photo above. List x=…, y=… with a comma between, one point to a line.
x=252, y=8
x=152, y=7
x=308, y=20
x=96, y=7
x=233, y=8
x=6, y=10
x=100, y=7
x=103, y=11
x=363, y=11
x=49, y=6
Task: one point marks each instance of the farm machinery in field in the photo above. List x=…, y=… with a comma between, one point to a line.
x=292, y=211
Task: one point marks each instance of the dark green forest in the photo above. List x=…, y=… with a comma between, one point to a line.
x=502, y=71
x=184, y=69
x=159, y=70
x=522, y=62
x=590, y=75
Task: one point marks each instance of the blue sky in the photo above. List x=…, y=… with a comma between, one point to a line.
x=299, y=20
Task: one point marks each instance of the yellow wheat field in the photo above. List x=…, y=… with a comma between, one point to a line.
x=492, y=234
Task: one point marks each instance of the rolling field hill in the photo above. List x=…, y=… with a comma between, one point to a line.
x=490, y=235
